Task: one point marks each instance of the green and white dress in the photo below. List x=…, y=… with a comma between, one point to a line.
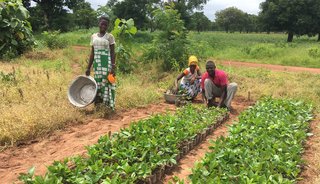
x=102, y=67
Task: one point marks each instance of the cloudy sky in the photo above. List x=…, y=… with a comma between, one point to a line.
x=249, y=6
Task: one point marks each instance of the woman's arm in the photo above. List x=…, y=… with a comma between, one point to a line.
x=176, y=82
x=113, y=59
x=91, y=57
x=199, y=74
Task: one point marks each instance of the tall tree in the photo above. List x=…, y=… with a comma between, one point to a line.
x=315, y=18
x=186, y=7
x=84, y=15
x=53, y=12
x=292, y=16
x=231, y=19
x=250, y=23
x=135, y=9
x=200, y=22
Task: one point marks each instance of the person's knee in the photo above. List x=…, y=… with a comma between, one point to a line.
x=233, y=86
x=208, y=83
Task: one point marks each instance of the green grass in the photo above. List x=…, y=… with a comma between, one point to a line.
x=263, y=82
x=258, y=48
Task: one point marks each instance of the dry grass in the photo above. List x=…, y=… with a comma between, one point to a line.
x=34, y=102
x=133, y=91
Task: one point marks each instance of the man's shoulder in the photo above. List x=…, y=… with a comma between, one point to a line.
x=220, y=72
x=205, y=74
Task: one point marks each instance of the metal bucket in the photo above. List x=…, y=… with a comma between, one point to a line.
x=172, y=98
x=82, y=91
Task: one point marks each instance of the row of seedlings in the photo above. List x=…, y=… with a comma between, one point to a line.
x=140, y=153
x=264, y=147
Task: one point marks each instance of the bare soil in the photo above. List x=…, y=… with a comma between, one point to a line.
x=311, y=169
x=68, y=142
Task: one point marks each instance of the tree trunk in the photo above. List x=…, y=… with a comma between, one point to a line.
x=318, y=37
x=46, y=24
x=290, y=36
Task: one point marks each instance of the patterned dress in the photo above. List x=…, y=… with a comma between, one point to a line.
x=102, y=67
x=191, y=90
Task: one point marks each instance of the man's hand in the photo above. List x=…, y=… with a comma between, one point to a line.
x=87, y=72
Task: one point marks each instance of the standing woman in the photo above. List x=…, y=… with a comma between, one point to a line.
x=103, y=59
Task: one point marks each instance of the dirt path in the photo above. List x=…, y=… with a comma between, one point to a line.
x=270, y=67
x=311, y=170
x=183, y=169
x=71, y=141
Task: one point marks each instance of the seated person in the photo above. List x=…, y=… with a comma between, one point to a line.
x=191, y=77
x=214, y=83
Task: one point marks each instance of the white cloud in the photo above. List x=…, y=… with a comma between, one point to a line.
x=249, y=6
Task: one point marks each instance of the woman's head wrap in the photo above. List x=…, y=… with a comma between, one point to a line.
x=193, y=60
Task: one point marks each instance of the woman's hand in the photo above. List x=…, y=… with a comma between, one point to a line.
x=87, y=72
x=193, y=78
x=175, y=90
x=113, y=70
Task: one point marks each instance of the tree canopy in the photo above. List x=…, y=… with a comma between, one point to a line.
x=231, y=19
x=293, y=16
x=16, y=35
x=55, y=14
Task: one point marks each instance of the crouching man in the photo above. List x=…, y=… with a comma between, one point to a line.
x=214, y=84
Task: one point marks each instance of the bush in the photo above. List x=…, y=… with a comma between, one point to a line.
x=16, y=34
x=314, y=52
x=259, y=51
x=124, y=30
x=171, y=44
x=53, y=40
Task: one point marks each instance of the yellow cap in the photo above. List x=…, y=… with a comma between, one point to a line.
x=111, y=78
x=193, y=60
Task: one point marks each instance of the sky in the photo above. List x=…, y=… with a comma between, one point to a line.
x=248, y=6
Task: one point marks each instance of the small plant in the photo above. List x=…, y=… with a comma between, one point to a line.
x=259, y=51
x=170, y=45
x=53, y=40
x=265, y=146
x=314, y=52
x=135, y=153
x=123, y=31
x=10, y=77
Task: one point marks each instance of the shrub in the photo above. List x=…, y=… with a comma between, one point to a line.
x=170, y=45
x=123, y=31
x=259, y=51
x=16, y=34
x=53, y=40
x=314, y=52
